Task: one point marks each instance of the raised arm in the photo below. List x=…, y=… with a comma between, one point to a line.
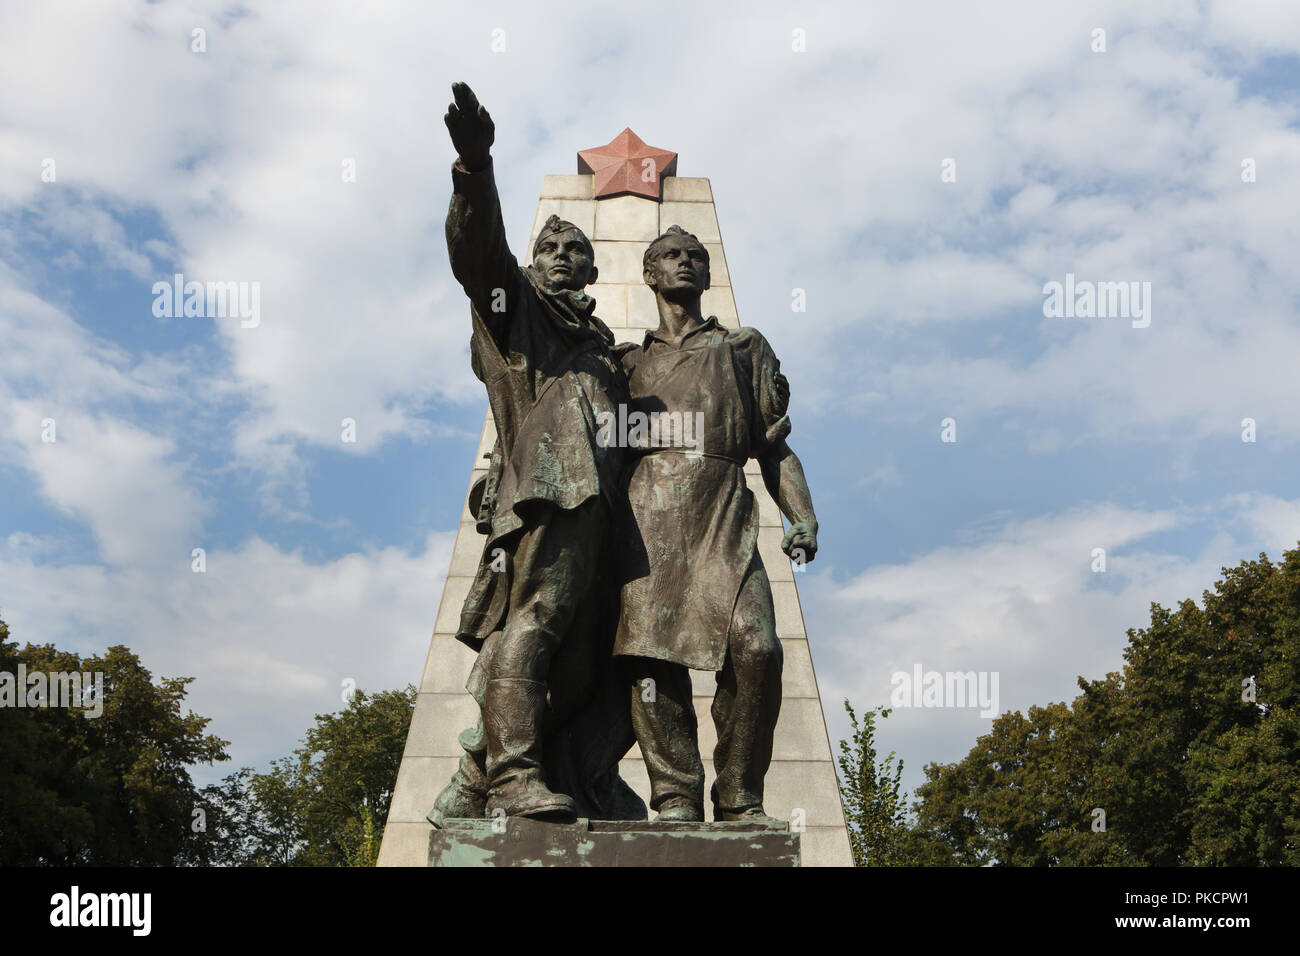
x=481, y=260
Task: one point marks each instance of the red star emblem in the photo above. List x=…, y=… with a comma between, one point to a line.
x=628, y=167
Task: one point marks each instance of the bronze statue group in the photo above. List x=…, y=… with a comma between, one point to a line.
x=611, y=569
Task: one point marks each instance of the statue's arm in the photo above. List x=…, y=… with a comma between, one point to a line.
x=784, y=478
x=782, y=472
x=476, y=242
x=476, y=237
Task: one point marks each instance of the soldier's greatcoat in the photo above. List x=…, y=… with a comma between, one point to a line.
x=546, y=361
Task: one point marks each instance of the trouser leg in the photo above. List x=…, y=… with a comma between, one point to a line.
x=663, y=718
x=552, y=568
x=748, y=699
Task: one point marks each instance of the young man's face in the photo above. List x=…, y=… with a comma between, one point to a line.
x=564, y=261
x=679, y=268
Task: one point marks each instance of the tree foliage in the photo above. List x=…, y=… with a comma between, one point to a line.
x=875, y=812
x=323, y=806
x=1185, y=766
x=112, y=790
x=116, y=789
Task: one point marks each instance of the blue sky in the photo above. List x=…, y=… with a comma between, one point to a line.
x=325, y=559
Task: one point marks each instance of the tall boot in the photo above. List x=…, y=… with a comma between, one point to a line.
x=514, y=713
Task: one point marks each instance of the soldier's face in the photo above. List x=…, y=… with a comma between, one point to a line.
x=679, y=268
x=564, y=261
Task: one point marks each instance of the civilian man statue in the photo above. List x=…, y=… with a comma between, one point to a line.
x=554, y=720
x=696, y=594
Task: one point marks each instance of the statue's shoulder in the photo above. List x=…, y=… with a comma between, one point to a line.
x=747, y=339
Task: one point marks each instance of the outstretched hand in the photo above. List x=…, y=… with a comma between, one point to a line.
x=472, y=130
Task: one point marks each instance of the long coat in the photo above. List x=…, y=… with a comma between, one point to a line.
x=547, y=363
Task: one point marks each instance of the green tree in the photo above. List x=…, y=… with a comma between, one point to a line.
x=875, y=812
x=323, y=806
x=112, y=790
x=253, y=818
x=1187, y=768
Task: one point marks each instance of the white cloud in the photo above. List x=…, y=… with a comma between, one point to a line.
x=885, y=475
x=269, y=635
x=1274, y=522
x=121, y=480
x=239, y=150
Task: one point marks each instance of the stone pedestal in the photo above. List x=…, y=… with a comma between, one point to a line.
x=517, y=841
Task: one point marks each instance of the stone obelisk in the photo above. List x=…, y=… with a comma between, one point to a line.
x=624, y=196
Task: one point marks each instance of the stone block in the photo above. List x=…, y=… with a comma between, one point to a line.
x=718, y=300
x=467, y=552
x=628, y=219
x=778, y=566
x=825, y=846
x=405, y=844
x=789, y=616
x=642, y=310
x=687, y=189
x=419, y=781
x=806, y=785
x=436, y=724
x=447, y=666
x=568, y=187
x=769, y=515
x=453, y=599
x=485, y=442
x=697, y=218
x=797, y=678
x=619, y=262
x=611, y=303
x=718, y=273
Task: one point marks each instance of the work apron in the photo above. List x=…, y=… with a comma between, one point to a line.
x=691, y=528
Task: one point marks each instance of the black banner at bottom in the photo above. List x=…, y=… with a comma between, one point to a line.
x=335, y=905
